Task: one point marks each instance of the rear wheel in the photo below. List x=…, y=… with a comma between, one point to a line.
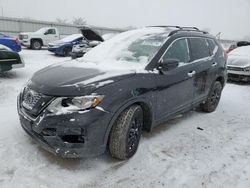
x=213, y=99
x=126, y=133
x=36, y=45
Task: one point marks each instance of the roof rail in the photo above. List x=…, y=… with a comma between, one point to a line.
x=175, y=26
x=179, y=28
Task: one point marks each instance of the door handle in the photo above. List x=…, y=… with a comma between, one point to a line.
x=214, y=64
x=191, y=73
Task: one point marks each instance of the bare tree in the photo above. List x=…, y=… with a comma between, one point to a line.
x=61, y=21
x=79, y=21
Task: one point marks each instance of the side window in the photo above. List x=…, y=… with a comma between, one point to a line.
x=199, y=48
x=51, y=31
x=178, y=50
x=213, y=47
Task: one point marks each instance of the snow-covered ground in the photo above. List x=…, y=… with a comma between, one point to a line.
x=175, y=154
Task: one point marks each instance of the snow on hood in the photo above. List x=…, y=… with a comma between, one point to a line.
x=240, y=57
x=71, y=38
x=72, y=78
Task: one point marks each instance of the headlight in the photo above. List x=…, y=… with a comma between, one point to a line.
x=64, y=105
x=25, y=36
x=247, y=68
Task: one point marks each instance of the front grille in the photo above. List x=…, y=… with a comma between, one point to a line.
x=30, y=98
x=235, y=68
x=34, y=102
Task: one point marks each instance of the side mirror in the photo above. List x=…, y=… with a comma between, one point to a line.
x=46, y=33
x=168, y=64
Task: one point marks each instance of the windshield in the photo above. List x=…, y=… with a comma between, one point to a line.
x=71, y=38
x=136, y=47
x=42, y=30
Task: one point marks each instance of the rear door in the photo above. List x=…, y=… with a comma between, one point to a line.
x=175, y=87
x=203, y=60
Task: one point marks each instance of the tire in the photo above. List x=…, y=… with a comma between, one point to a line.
x=126, y=132
x=66, y=51
x=213, y=98
x=36, y=45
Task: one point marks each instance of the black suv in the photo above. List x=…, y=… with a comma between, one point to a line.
x=130, y=83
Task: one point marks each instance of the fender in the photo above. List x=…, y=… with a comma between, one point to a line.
x=121, y=109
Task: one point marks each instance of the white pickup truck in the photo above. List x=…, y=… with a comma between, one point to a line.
x=37, y=39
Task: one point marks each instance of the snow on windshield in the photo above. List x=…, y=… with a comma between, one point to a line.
x=131, y=48
x=71, y=37
x=241, y=51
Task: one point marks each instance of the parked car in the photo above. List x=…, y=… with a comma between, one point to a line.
x=64, y=46
x=36, y=40
x=91, y=40
x=239, y=64
x=231, y=48
x=9, y=59
x=10, y=42
x=132, y=82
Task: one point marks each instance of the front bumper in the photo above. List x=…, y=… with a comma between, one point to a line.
x=72, y=135
x=25, y=43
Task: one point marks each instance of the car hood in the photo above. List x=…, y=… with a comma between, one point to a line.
x=59, y=43
x=238, y=61
x=70, y=79
x=91, y=35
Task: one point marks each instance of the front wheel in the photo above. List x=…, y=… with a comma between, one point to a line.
x=36, y=45
x=126, y=132
x=213, y=99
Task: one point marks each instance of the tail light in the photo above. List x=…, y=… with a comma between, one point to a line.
x=16, y=40
x=225, y=55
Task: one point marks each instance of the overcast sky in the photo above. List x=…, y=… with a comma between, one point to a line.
x=231, y=17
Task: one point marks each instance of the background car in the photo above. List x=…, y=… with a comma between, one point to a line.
x=10, y=42
x=9, y=59
x=239, y=64
x=91, y=39
x=64, y=46
x=231, y=48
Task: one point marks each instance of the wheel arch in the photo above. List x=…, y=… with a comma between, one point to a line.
x=147, y=116
x=34, y=39
x=221, y=79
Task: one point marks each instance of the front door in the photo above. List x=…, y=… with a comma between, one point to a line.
x=175, y=88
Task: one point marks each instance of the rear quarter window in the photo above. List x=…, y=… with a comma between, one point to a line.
x=199, y=48
x=213, y=47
